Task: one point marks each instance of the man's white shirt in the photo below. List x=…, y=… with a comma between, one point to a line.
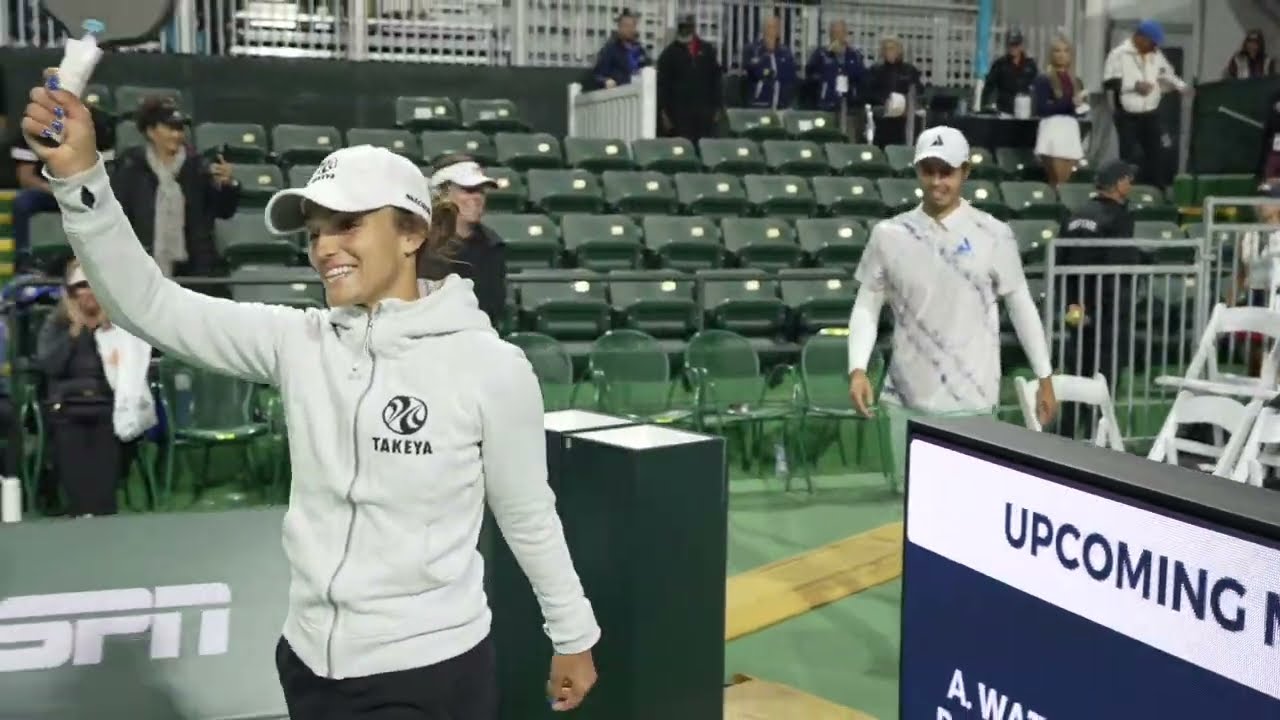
x=1126, y=64
x=942, y=281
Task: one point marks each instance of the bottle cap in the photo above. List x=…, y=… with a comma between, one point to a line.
x=93, y=27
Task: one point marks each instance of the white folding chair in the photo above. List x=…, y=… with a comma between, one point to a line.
x=1222, y=413
x=1203, y=374
x=1261, y=450
x=1092, y=391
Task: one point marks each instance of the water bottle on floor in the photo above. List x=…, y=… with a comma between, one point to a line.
x=10, y=500
x=780, y=460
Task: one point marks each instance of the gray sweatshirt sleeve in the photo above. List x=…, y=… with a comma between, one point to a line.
x=514, y=454
x=239, y=339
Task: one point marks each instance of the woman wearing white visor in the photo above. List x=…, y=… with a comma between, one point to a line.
x=479, y=253
x=405, y=412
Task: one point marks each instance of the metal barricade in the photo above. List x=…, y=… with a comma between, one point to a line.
x=1242, y=259
x=627, y=112
x=1134, y=323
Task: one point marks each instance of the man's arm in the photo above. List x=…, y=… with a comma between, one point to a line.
x=864, y=320
x=989, y=84
x=513, y=451
x=1011, y=284
x=239, y=339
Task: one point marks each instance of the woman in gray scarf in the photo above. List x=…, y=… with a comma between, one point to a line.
x=171, y=195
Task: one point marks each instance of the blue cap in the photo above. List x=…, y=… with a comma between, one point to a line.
x=1151, y=30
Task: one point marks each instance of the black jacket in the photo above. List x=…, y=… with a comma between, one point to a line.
x=690, y=91
x=618, y=61
x=1006, y=80
x=69, y=365
x=1104, y=219
x=135, y=186
x=1270, y=139
x=481, y=257
x=884, y=79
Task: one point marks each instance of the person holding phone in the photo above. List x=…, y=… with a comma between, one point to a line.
x=406, y=413
x=172, y=195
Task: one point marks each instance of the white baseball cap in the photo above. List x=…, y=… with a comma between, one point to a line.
x=354, y=179
x=466, y=174
x=945, y=143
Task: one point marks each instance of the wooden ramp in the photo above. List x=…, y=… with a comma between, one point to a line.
x=782, y=590
x=752, y=699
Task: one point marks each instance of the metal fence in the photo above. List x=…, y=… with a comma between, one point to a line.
x=939, y=36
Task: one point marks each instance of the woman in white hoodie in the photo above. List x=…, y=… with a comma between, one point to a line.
x=405, y=413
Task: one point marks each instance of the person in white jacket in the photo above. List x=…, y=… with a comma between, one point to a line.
x=1138, y=75
x=405, y=411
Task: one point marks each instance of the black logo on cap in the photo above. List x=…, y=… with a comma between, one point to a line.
x=324, y=172
x=404, y=415
x=419, y=203
x=937, y=141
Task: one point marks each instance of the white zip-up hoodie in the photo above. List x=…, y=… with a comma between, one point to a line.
x=401, y=423
x=1126, y=64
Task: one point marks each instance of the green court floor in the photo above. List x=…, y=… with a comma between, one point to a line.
x=846, y=652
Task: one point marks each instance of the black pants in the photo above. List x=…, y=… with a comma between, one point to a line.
x=88, y=458
x=463, y=688
x=1141, y=137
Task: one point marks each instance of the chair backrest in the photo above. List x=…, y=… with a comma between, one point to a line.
x=1223, y=413
x=727, y=366
x=551, y=364
x=824, y=371
x=1230, y=321
x=198, y=398
x=631, y=372
x=1092, y=391
x=1261, y=450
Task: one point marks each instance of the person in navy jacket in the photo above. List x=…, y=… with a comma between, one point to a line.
x=1058, y=97
x=622, y=56
x=771, y=69
x=828, y=64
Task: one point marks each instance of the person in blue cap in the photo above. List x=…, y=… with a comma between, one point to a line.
x=1138, y=75
x=770, y=69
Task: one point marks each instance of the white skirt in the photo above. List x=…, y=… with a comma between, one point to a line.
x=1059, y=137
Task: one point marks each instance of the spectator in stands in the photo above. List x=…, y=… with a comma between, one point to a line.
x=690, y=85
x=1256, y=276
x=1059, y=98
x=942, y=267
x=1268, y=172
x=889, y=83
x=770, y=69
x=480, y=254
x=835, y=72
x=1139, y=74
x=623, y=55
x=88, y=459
x=33, y=194
x=1252, y=61
x=1011, y=75
x=171, y=195
x=1098, y=308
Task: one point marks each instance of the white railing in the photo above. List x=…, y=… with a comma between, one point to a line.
x=626, y=112
x=939, y=36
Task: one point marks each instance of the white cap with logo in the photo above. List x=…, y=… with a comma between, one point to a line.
x=944, y=143
x=464, y=174
x=356, y=179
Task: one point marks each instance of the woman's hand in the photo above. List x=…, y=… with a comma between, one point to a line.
x=52, y=110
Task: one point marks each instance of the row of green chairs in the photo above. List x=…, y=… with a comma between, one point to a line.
x=721, y=386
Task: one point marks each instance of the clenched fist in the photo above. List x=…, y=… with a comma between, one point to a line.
x=51, y=111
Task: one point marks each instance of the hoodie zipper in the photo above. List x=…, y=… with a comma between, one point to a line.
x=355, y=473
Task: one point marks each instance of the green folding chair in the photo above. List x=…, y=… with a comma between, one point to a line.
x=713, y=195
x=631, y=376
x=552, y=366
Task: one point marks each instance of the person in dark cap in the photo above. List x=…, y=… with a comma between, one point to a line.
x=172, y=195
x=623, y=55
x=1252, y=61
x=1010, y=75
x=690, y=89
x=1097, y=314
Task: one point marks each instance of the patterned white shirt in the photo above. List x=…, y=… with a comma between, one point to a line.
x=942, y=280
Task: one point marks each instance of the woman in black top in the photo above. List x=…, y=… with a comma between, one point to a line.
x=87, y=456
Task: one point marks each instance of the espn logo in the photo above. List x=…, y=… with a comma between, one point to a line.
x=38, y=632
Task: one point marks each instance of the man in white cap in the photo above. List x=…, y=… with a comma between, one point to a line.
x=941, y=267
x=479, y=254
